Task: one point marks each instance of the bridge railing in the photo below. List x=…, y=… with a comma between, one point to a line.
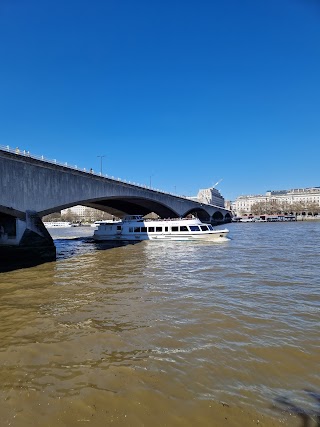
x=25, y=153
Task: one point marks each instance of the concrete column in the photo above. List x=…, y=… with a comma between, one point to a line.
x=24, y=243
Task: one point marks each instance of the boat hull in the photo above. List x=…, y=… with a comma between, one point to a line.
x=219, y=235
x=135, y=228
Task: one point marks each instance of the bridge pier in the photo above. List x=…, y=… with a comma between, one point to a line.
x=24, y=242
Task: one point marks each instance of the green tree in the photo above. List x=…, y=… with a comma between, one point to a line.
x=55, y=216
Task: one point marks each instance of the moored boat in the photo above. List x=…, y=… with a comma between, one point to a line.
x=137, y=228
x=58, y=224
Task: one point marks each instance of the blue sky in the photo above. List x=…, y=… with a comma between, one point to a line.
x=182, y=93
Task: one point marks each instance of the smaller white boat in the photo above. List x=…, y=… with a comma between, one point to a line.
x=58, y=224
x=137, y=228
x=103, y=221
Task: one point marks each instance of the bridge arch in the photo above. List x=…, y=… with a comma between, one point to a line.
x=217, y=217
x=120, y=206
x=227, y=217
x=202, y=214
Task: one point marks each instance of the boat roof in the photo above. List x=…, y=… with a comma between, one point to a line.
x=140, y=218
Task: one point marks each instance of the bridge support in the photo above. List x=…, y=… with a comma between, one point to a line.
x=24, y=242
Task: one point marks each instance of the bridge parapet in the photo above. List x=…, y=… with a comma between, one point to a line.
x=38, y=184
x=27, y=154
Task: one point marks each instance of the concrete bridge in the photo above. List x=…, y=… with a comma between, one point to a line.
x=32, y=187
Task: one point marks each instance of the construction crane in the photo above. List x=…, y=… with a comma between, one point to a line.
x=218, y=182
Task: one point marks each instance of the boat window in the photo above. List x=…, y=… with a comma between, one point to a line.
x=210, y=227
x=194, y=228
x=183, y=228
x=166, y=229
x=119, y=227
x=159, y=229
x=137, y=229
x=150, y=229
x=143, y=229
x=204, y=227
x=174, y=228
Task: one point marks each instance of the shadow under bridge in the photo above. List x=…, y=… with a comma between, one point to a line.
x=169, y=207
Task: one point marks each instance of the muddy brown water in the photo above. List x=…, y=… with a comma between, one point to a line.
x=165, y=334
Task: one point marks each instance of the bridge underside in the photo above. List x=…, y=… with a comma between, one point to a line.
x=131, y=206
x=120, y=207
x=139, y=206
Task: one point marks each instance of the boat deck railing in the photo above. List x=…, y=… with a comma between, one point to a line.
x=158, y=219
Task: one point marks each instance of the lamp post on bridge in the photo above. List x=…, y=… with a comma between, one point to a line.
x=101, y=157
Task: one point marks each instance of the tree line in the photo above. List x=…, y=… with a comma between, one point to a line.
x=275, y=207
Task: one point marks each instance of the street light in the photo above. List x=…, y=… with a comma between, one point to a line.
x=101, y=163
x=150, y=180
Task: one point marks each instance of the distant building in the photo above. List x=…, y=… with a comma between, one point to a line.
x=243, y=204
x=228, y=205
x=77, y=210
x=210, y=196
x=84, y=212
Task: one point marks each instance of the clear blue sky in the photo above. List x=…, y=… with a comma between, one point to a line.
x=185, y=92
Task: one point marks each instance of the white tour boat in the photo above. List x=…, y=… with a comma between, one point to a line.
x=137, y=228
x=58, y=224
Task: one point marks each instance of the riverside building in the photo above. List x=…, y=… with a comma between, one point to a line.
x=85, y=213
x=290, y=198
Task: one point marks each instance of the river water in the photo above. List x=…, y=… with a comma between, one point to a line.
x=164, y=333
